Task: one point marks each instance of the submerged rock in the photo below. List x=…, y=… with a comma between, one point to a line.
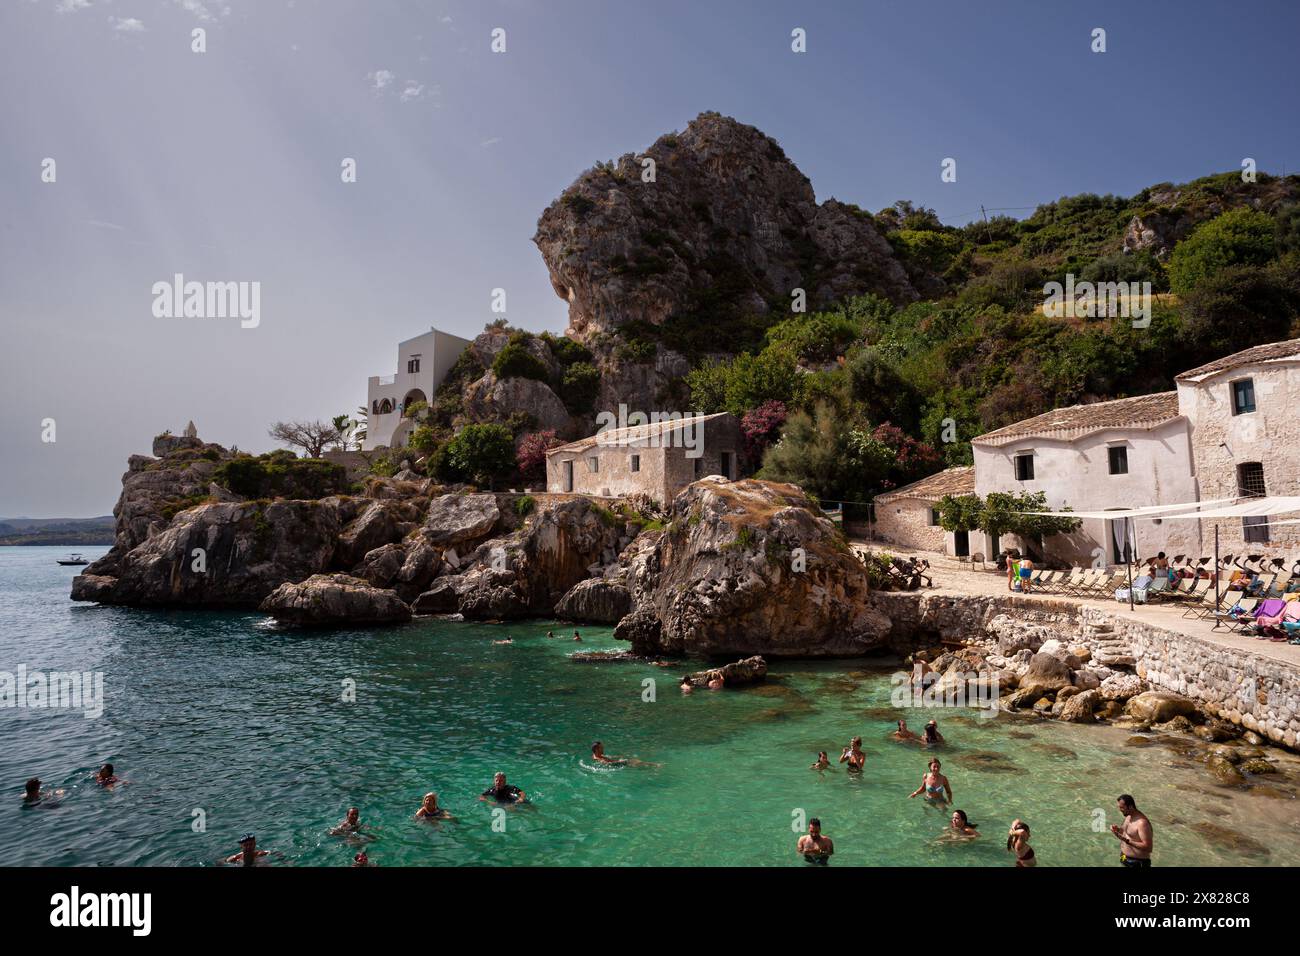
x=1158, y=706
x=751, y=670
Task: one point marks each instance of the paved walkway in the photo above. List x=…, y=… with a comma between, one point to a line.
x=953, y=577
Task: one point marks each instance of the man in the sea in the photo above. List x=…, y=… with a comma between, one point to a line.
x=351, y=823
x=1136, y=836
x=814, y=847
x=598, y=754
x=106, y=777
x=33, y=795
x=503, y=792
x=248, y=852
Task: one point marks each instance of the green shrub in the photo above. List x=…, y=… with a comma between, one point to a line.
x=580, y=387
x=478, y=454
x=281, y=475
x=524, y=505
x=1238, y=237
x=515, y=361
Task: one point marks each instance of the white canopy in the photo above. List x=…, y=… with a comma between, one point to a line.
x=1250, y=508
x=1148, y=511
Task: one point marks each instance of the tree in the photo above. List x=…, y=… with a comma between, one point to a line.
x=1238, y=237
x=345, y=427
x=761, y=426
x=531, y=454
x=960, y=512
x=360, y=424
x=480, y=453
x=1001, y=513
x=311, y=437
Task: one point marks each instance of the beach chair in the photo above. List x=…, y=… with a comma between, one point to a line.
x=1204, y=604
x=1048, y=581
x=1239, y=615
x=1079, y=583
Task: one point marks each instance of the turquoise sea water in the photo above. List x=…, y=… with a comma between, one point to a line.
x=222, y=713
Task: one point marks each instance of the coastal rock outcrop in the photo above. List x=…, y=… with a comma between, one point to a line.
x=220, y=555
x=749, y=567
x=727, y=223
x=334, y=600
x=595, y=601
x=751, y=670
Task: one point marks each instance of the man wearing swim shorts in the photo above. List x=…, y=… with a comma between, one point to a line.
x=815, y=848
x=1136, y=837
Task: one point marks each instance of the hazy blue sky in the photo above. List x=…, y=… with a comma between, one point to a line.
x=225, y=166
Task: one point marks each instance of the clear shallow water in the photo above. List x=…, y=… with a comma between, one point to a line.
x=219, y=711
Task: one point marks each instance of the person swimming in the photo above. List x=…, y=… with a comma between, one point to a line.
x=902, y=733
x=508, y=640
x=429, y=809
x=577, y=636
x=823, y=761
x=598, y=754
x=550, y=633
x=961, y=825
x=934, y=785
x=716, y=680
x=686, y=684
x=106, y=777
x=361, y=859
x=33, y=795
x=248, y=853
x=503, y=792
x=351, y=823
x=1018, y=843
x=813, y=846
x=931, y=737
x=853, y=756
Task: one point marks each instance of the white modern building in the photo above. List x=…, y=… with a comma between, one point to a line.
x=422, y=363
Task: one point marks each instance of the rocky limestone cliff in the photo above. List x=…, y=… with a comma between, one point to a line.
x=749, y=567
x=730, y=223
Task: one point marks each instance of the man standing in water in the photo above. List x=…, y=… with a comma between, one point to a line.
x=814, y=847
x=502, y=792
x=248, y=852
x=1136, y=837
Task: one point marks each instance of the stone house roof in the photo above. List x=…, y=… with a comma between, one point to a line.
x=1270, y=352
x=1066, y=424
x=633, y=436
x=950, y=481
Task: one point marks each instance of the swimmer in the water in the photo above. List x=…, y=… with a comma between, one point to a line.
x=361, y=859
x=716, y=680
x=932, y=737
x=106, y=777
x=351, y=823
x=902, y=733
x=506, y=641
x=853, y=756
x=598, y=753
x=823, y=762
x=33, y=794
x=962, y=826
x=577, y=636
x=550, y=633
x=502, y=792
x=814, y=847
x=429, y=809
x=934, y=785
x=1018, y=843
x=248, y=852
x=686, y=685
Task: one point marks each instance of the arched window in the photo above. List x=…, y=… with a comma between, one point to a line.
x=385, y=407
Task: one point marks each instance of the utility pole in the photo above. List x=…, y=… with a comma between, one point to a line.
x=987, y=231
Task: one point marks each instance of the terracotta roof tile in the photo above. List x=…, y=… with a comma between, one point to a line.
x=1142, y=411
x=950, y=481
x=1260, y=353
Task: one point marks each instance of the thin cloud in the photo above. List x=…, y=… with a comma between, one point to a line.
x=71, y=6
x=127, y=24
x=381, y=79
x=490, y=142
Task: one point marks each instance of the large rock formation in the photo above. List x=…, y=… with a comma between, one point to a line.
x=729, y=223
x=747, y=567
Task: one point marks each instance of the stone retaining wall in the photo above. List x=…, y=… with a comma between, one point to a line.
x=1248, y=689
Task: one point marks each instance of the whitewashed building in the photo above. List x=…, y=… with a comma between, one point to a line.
x=422, y=363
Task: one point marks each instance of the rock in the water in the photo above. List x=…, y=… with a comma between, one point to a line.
x=1080, y=708
x=725, y=579
x=1158, y=706
x=595, y=601
x=751, y=670
x=1046, y=674
x=334, y=600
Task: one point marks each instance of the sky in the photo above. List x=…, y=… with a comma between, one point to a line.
x=225, y=165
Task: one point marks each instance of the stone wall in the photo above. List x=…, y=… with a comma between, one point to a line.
x=906, y=522
x=1235, y=684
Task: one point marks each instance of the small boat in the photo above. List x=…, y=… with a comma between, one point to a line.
x=73, y=559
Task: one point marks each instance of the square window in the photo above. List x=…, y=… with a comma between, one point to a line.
x=1243, y=396
x=934, y=517
x=1118, y=459
x=636, y=462
x=1025, y=467
x=593, y=465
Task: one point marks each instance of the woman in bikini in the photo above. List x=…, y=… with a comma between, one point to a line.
x=1018, y=843
x=854, y=756
x=961, y=826
x=934, y=785
x=823, y=761
x=902, y=733
x=429, y=809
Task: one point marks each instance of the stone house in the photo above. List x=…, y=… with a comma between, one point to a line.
x=1126, y=453
x=909, y=516
x=1243, y=411
x=657, y=459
